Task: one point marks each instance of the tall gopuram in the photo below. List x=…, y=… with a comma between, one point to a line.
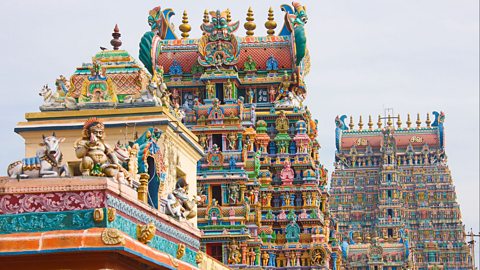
x=393, y=197
x=266, y=202
x=109, y=178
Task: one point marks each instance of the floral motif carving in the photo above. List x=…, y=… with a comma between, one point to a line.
x=111, y=236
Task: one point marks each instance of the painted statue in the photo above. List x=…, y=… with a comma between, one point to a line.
x=272, y=94
x=251, y=95
x=232, y=140
x=234, y=255
x=287, y=174
x=295, y=20
x=210, y=90
x=228, y=88
x=97, y=158
x=46, y=163
x=178, y=204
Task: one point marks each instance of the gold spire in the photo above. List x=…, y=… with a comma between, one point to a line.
x=229, y=15
x=428, y=122
x=250, y=25
x=399, y=122
x=379, y=123
x=418, y=122
x=389, y=121
x=271, y=24
x=206, y=18
x=351, y=125
x=370, y=123
x=409, y=122
x=360, y=124
x=185, y=27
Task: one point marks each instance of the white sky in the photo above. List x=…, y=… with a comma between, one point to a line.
x=414, y=56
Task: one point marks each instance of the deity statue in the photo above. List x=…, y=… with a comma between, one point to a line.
x=287, y=174
x=282, y=123
x=250, y=65
x=233, y=194
x=210, y=87
x=178, y=204
x=265, y=258
x=251, y=95
x=228, y=89
x=202, y=140
x=98, y=159
x=175, y=97
x=232, y=141
x=272, y=93
x=284, y=87
x=234, y=256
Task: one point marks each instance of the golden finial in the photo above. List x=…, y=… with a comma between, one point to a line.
x=360, y=123
x=389, y=121
x=370, y=123
x=271, y=24
x=185, y=27
x=399, y=122
x=229, y=15
x=409, y=122
x=379, y=122
x=250, y=25
x=418, y=122
x=351, y=123
x=428, y=122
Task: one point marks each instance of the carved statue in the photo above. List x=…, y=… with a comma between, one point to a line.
x=46, y=163
x=251, y=95
x=98, y=159
x=210, y=90
x=233, y=194
x=228, y=88
x=178, y=204
x=145, y=233
x=202, y=140
x=232, y=141
x=287, y=174
x=175, y=97
x=282, y=122
x=234, y=256
x=284, y=87
x=250, y=65
x=272, y=93
x=265, y=258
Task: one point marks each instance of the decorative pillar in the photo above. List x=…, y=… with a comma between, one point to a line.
x=142, y=190
x=242, y=193
x=304, y=197
x=334, y=260
x=269, y=199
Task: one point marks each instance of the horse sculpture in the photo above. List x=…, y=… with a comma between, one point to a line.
x=46, y=163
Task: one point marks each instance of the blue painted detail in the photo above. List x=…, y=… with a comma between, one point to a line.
x=289, y=10
x=146, y=218
x=344, y=249
x=340, y=123
x=175, y=68
x=272, y=63
x=48, y=221
x=31, y=161
x=334, y=260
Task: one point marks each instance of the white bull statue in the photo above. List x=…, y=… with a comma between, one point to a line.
x=47, y=162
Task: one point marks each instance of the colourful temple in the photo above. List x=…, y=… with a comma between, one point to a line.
x=201, y=155
x=393, y=198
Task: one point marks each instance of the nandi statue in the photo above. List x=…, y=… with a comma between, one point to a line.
x=177, y=203
x=46, y=163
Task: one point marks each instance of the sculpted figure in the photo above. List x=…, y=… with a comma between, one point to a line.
x=46, y=163
x=271, y=93
x=234, y=256
x=232, y=140
x=228, y=88
x=178, y=204
x=98, y=159
x=210, y=90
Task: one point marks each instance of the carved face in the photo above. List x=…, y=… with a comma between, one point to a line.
x=96, y=132
x=51, y=144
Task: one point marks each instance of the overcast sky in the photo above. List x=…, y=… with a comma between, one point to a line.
x=414, y=56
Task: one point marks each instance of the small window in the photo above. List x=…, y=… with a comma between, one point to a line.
x=217, y=194
x=389, y=212
x=215, y=251
x=390, y=232
x=217, y=139
x=219, y=91
x=389, y=194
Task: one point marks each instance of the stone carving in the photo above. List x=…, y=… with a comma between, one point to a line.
x=234, y=189
x=178, y=204
x=234, y=256
x=180, y=251
x=46, y=163
x=112, y=236
x=146, y=232
x=98, y=215
x=98, y=159
x=287, y=174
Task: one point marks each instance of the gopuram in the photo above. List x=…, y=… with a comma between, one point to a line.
x=393, y=198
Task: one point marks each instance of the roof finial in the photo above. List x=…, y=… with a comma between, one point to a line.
x=389, y=121
x=229, y=15
x=250, y=25
x=271, y=24
x=185, y=27
x=428, y=122
x=116, y=42
x=409, y=122
x=399, y=122
x=360, y=123
x=206, y=18
x=418, y=122
x=351, y=125
x=379, y=122
x=370, y=123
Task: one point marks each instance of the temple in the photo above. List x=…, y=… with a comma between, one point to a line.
x=393, y=198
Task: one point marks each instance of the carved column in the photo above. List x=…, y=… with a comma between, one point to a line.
x=242, y=193
x=142, y=190
x=269, y=199
x=304, y=197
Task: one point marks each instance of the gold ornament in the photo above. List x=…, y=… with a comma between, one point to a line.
x=111, y=214
x=112, y=236
x=399, y=122
x=180, y=251
x=409, y=122
x=360, y=124
x=250, y=25
x=229, y=15
x=418, y=122
x=98, y=215
x=145, y=233
x=370, y=123
x=185, y=27
x=199, y=257
x=351, y=125
x=428, y=122
x=379, y=122
x=271, y=24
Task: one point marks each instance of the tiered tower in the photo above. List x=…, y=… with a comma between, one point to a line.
x=393, y=196
x=266, y=202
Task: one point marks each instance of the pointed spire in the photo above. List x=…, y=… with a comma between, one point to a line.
x=360, y=123
x=229, y=15
x=351, y=125
x=271, y=24
x=116, y=42
x=370, y=123
x=428, y=122
x=379, y=122
x=418, y=122
x=206, y=18
x=185, y=27
x=250, y=25
x=409, y=122
x=399, y=122
x=389, y=121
